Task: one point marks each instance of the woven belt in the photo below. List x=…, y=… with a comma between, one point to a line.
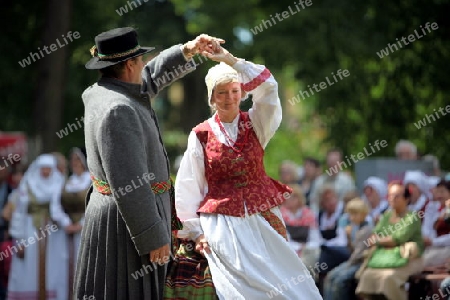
x=157, y=187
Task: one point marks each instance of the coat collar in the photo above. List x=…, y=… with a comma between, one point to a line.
x=132, y=90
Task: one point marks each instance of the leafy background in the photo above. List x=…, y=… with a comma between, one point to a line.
x=381, y=99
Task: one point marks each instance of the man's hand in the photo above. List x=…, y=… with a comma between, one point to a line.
x=160, y=255
x=202, y=44
x=201, y=245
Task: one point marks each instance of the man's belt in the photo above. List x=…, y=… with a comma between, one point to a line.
x=157, y=187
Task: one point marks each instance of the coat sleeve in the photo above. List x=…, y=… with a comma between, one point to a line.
x=167, y=67
x=123, y=156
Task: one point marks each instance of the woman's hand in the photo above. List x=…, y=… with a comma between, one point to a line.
x=222, y=55
x=427, y=241
x=202, y=44
x=201, y=245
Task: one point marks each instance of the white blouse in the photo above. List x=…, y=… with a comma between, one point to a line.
x=74, y=184
x=265, y=115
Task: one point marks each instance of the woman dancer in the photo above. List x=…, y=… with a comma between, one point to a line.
x=228, y=205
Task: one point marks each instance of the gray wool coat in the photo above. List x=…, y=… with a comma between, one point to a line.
x=124, y=148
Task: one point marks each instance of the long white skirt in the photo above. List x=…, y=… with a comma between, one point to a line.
x=251, y=260
x=23, y=278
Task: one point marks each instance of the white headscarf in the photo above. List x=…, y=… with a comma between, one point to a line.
x=42, y=188
x=378, y=184
x=219, y=72
x=77, y=183
x=418, y=178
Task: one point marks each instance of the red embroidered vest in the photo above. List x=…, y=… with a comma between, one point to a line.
x=237, y=178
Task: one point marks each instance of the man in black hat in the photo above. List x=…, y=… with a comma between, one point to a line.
x=125, y=241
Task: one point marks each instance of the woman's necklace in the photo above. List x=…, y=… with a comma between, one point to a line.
x=236, y=146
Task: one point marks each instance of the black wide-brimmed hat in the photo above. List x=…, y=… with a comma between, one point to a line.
x=114, y=46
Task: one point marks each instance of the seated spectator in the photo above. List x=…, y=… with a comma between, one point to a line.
x=341, y=181
x=339, y=282
x=344, y=219
x=334, y=249
x=405, y=150
x=397, y=249
x=417, y=184
x=301, y=225
x=375, y=190
x=435, y=230
x=288, y=172
x=311, y=170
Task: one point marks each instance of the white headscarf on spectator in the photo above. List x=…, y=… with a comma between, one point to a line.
x=378, y=184
x=42, y=188
x=419, y=179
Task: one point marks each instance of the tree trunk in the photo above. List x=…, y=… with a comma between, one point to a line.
x=49, y=95
x=194, y=108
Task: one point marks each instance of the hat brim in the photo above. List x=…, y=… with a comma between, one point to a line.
x=96, y=64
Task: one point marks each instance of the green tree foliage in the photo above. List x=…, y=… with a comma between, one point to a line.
x=383, y=97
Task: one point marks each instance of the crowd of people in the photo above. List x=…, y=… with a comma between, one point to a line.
x=372, y=241
x=42, y=216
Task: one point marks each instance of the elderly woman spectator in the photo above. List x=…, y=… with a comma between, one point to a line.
x=33, y=264
x=437, y=237
x=397, y=249
x=333, y=250
x=375, y=190
x=417, y=184
x=301, y=224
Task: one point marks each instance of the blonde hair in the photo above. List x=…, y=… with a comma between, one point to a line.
x=297, y=191
x=357, y=205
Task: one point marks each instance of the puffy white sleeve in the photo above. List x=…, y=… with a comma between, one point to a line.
x=266, y=113
x=190, y=188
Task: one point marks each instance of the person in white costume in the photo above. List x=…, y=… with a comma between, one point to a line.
x=67, y=210
x=35, y=271
x=227, y=204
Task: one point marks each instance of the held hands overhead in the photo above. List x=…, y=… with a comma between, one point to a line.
x=209, y=47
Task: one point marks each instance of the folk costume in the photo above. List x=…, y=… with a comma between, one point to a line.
x=222, y=191
x=38, y=274
x=128, y=211
x=421, y=181
x=67, y=208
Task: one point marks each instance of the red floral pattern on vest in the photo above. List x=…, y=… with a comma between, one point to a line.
x=234, y=178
